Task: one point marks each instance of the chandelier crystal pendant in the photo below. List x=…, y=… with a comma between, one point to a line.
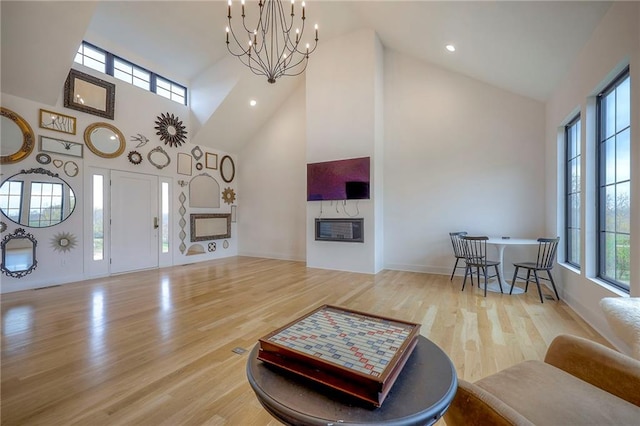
x=271, y=47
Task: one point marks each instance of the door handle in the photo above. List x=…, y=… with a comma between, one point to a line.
x=156, y=225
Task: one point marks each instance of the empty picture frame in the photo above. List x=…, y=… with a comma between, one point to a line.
x=59, y=146
x=86, y=93
x=210, y=226
x=57, y=122
x=184, y=164
x=211, y=161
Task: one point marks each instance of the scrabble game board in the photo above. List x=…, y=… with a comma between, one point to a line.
x=354, y=352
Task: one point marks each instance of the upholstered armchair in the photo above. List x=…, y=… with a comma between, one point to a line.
x=579, y=382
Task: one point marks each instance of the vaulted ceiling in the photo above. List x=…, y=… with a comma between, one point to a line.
x=521, y=46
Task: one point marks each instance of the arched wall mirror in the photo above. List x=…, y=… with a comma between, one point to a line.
x=18, y=254
x=104, y=140
x=36, y=198
x=17, y=139
x=227, y=169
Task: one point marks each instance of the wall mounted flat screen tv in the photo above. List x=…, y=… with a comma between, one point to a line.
x=339, y=180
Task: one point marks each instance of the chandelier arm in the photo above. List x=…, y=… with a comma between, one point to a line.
x=271, y=50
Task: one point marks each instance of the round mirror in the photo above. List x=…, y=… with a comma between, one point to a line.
x=104, y=140
x=17, y=139
x=36, y=198
x=227, y=169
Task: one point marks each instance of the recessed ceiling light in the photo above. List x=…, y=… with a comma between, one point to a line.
x=450, y=47
x=252, y=102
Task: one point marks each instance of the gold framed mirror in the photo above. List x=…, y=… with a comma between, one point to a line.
x=104, y=140
x=86, y=93
x=17, y=138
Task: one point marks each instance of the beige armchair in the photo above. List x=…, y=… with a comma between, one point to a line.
x=579, y=382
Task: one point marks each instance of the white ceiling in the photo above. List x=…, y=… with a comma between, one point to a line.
x=525, y=47
x=522, y=46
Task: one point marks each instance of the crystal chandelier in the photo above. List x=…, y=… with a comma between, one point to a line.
x=269, y=47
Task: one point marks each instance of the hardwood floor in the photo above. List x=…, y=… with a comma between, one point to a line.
x=155, y=347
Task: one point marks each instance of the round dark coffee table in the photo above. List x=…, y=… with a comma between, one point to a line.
x=420, y=396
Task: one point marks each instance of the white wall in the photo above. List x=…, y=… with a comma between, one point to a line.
x=614, y=44
x=459, y=155
x=272, y=185
x=341, y=123
x=135, y=112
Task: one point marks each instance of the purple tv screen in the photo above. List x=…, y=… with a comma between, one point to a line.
x=338, y=180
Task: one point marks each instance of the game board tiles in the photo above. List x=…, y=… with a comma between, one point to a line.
x=354, y=352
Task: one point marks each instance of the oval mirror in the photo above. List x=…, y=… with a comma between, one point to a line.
x=159, y=157
x=227, y=169
x=104, y=140
x=16, y=139
x=18, y=254
x=36, y=198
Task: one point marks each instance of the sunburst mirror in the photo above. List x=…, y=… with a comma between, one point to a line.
x=170, y=129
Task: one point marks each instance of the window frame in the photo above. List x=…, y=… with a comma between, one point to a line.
x=110, y=60
x=568, y=192
x=602, y=185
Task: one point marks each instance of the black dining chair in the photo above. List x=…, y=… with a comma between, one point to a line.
x=475, y=256
x=458, y=250
x=544, y=262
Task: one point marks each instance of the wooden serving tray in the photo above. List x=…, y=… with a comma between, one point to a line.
x=354, y=352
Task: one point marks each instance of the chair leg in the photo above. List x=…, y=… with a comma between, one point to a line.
x=485, y=281
x=466, y=272
x=526, y=285
x=513, y=281
x=454, y=269
x=553, y=284
x=499, y=278
x=535, y=274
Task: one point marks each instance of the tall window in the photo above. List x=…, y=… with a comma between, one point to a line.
x=614, y=182
x=98, y=223
x=572, y=192
x=108, y=63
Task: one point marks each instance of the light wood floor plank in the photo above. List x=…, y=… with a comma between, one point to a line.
x=155, y=347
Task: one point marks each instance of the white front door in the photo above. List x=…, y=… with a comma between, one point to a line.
x=134, y=221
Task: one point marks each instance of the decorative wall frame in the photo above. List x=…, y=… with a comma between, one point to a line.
x=57, y=163
x=212, y=247
x=170, y=129
x=204, y=191
x=63, y=241
x=18, y=254
x=197, y=153
x=60, y=146
x=3, y=227
x=185, y=164
x=195, y=249
x=198, y=166
x=43, y=158
x=225, y=244
x=134, y=157
x=104, y=140
x=159, y=157
x=57, y=122
x=182, y=222
x=86, y=93
x=40, y=175
x=18, y=139
x=227, y=169
x=210, y=226
x=211, y=161
x=228, y=195
x=71, y=169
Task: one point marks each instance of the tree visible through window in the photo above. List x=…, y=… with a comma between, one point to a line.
x=572, y=191
x=614, y=182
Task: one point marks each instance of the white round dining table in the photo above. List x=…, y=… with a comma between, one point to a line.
x=500, y=244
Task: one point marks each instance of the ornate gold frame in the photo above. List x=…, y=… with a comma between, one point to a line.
x=28, y=138
x=87, y=140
